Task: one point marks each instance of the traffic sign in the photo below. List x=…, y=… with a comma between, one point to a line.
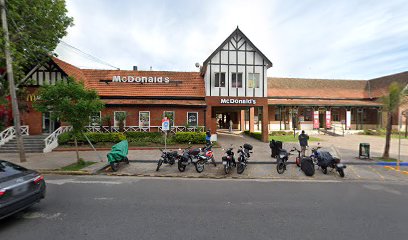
x=165, y=124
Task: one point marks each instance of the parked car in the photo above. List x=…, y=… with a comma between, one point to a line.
x=19, y=188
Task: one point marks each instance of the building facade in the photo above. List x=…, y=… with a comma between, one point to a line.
x=231, y=87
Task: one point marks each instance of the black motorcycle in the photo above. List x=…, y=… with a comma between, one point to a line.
x=188, y=156
x=282, y=160
x=228, y=160
x=244, y=155
x=326, y=160
x=167, y=157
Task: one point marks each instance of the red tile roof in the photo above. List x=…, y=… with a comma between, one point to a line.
x=155, y=102
x=323, y=102
x=182, y=84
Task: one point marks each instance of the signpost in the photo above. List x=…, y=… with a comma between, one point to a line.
x=165, y=128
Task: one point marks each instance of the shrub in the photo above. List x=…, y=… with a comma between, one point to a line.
x=280, y=133
x=186, y=137
x=93, y=137
x=256, y=135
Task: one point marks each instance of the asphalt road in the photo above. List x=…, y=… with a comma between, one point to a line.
x=142, y=208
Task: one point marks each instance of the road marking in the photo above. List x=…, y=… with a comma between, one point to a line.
x=64, y=181
x=397, y=170
x=103, y=198
x=375, y=170
x=34, y=215
x=352, y=169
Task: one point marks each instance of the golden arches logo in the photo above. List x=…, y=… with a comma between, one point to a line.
x=31, y=97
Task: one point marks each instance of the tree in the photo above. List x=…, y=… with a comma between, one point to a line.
x=391, y=103
x=71, y=103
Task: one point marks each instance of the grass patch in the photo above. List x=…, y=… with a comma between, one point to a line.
x=77, y=166
x=290, y=138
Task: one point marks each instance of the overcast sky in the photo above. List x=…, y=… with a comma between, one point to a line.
x=308, y=38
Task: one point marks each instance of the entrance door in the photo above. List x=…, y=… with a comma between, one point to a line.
x=322, y=118
x=48, y=124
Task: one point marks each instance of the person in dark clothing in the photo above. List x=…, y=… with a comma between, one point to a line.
x=208, y=137
x=303, y=141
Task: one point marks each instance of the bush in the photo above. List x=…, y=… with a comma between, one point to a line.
x=256, y=135
x=280, y=133
x=186, y=137
x=93, y=137
x=145, y=137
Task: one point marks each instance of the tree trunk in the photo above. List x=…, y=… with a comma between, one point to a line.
x=386, y=153
x=76, y=149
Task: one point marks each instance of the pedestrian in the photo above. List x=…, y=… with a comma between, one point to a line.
x=208, y=137
x=303, y=138
x=230, y=125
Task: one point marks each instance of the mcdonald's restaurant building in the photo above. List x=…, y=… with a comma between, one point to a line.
x=230, y=88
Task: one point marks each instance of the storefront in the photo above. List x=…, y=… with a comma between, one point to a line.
x=231, y=87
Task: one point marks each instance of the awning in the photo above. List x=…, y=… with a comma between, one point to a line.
x=324, y=102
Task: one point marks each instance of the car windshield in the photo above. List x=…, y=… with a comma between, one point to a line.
x=8, y=169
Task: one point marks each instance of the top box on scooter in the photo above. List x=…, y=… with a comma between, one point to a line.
x=248, y=146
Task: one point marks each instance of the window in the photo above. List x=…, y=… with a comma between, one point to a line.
x=170, y=115
x=220, y=79
x=335, y=116
x=95, y=119
x=144, y=119
x=119, y=116
x=236, y=80
x=192, y=119
x=253, y=80
x=277, y=114
x=307, y=113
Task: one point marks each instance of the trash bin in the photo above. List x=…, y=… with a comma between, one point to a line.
x=275, y=146
x=364, y=150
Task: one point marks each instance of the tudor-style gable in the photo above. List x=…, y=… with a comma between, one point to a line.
x=47, y=73
x=237, y=68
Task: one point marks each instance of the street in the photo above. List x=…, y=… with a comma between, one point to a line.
x=99, y=207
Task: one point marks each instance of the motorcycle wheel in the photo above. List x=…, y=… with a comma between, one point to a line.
x=180, y=166
x=126, y=160
x=159, y=163
x=298, y=161
x=114, y=166
x=280, y=167
x=227, y=168
x=341, y=172
x=240, y=168
x=199, y=166
x=324, y=170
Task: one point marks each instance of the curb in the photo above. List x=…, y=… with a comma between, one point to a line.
x=59, y=172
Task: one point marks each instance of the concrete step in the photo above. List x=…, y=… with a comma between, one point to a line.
x=25, y=150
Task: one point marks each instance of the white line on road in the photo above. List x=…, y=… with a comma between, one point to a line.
x=64, y=181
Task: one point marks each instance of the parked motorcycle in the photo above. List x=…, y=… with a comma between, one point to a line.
x=228, y=160
x=244, y=155
x=204, y=157
x=282, y=159
x=167, y=157
x=326, y=160
x=188, y=156
x=118, y=154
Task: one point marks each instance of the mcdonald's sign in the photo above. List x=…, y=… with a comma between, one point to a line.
x=32, y=97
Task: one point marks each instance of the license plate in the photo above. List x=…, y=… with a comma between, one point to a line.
x=340, y=165
x=225, y=163
x=20, y=189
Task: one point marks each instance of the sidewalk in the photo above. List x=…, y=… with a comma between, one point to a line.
x=347, y=147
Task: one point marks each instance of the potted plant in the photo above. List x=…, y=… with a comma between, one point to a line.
x=121, y=117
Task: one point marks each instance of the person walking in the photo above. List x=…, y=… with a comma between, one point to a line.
x=230, y=125
x=303, y=141
x=208, y=137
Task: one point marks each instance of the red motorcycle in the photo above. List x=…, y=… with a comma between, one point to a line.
x=206, y=155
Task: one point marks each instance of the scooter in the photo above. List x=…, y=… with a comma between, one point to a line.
x=167, y=157
x=204, y=157
x=244, y=155
x=188, y=156
x=228, y=160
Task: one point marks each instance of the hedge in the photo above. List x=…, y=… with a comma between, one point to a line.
x=93, y=137
x=192, y=137
x=280, y=133
x=256, y=135
x=145, y=137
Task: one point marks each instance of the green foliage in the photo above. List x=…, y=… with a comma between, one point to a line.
x=93, y=137
x=393, y=99
x=256, y=135
x=70, y=103
x=144, y=137
x=192, y=137
x=280, y=133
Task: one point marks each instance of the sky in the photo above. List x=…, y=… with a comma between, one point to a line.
x=337, y=39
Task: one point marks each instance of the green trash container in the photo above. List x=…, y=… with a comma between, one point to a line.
x=364, y=150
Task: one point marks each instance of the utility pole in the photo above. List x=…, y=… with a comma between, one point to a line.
x=10, y=78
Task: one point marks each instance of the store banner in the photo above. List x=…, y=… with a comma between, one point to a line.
x=328, y=119
x=316, y=119
x=348, y=120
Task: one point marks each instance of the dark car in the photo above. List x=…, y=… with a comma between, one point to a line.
x=19, y=188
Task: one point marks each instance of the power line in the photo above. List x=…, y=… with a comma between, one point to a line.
x=87, y=55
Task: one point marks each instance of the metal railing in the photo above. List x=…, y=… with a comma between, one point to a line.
x=10, y=132
x=173, y=129
x=51, y=141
